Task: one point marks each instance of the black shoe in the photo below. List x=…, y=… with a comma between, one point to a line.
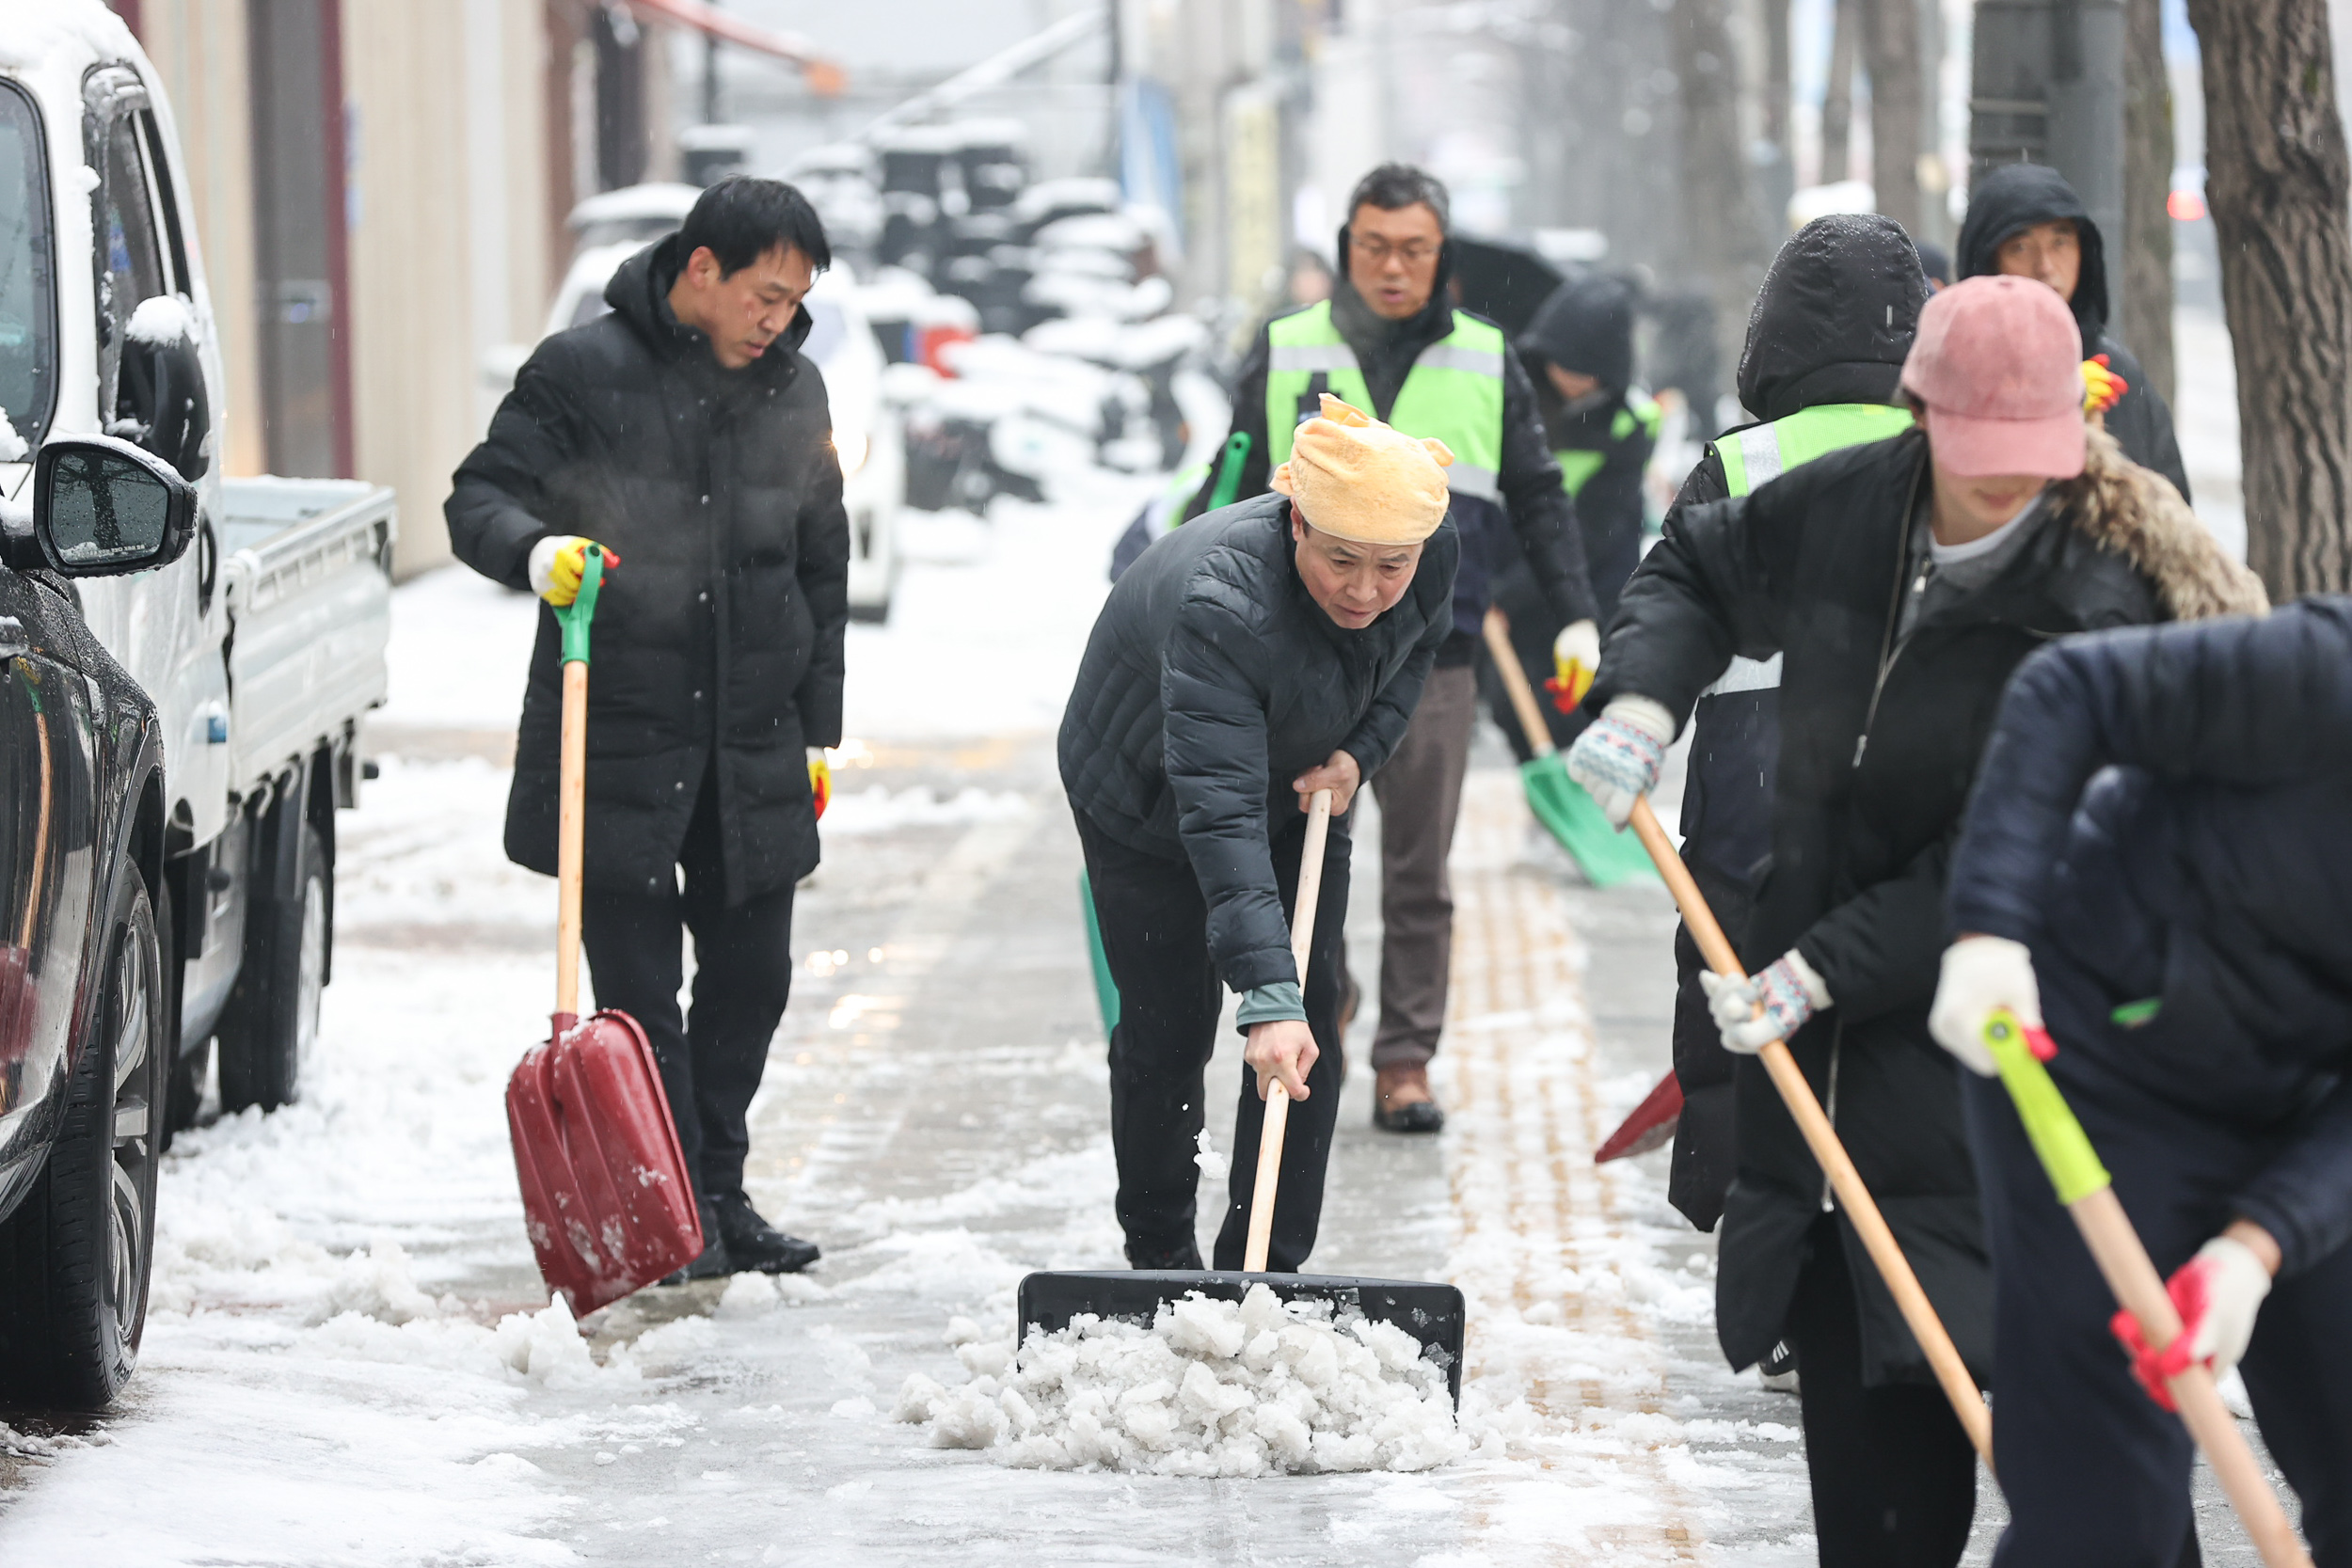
x=1185, y=1259
x=714, y=1261
x=1779, y=1369
x=754, y=1244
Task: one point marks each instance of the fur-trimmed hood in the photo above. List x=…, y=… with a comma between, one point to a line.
x=2139, y=514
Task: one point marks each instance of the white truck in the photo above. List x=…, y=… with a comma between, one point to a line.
x=262, y=647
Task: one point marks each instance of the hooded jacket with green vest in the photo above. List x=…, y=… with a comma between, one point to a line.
x=1443, y=373
x=1825, y=353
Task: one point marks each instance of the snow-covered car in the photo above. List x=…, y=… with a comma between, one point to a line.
x=865, y=428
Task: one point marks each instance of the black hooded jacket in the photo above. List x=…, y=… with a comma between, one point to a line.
x=1587, y=326
x=1211, y=680
x=1832, y=325
x=2018, y=196
x=718, y=640
x=1881, y=728
x=1540, y=515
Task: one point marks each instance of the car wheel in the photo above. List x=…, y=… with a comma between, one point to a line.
x=271, y=1024
x=75, y=1257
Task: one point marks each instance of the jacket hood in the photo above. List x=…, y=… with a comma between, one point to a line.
x=2123, y=507
x=1835, y=317
x=1586, y=327
x=2018, y=196
x=640, y=293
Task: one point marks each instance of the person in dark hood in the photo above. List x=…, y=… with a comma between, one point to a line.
x=687, y=435
x=1825, y=350
x=1579, y=352
x=1936, y=263
x=2025, y=219
x=1904, y=581
x=1389, y=340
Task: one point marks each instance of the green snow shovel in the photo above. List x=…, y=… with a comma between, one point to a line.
x=1105, y=988
x=2088, y=1194
x=1606, y=856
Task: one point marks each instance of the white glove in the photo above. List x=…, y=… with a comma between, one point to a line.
x=2220, y=1292
x=1789, y=989
x=1617, y=758
x=1575, y=658
x=1982, y=974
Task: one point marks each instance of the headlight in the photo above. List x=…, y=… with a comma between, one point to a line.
x=851, y=447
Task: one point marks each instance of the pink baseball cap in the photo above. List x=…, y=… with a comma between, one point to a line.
x=1998, y=361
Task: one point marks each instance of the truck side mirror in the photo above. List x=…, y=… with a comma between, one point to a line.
x=102, y=507
x=161, y=385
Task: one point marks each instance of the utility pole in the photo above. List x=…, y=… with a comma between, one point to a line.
x=2048, y=88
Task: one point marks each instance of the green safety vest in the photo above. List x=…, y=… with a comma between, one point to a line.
x=1453, y=392
x=1763, y=452
x=1578, y=464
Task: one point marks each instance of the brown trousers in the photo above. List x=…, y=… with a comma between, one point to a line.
x=1420, y=790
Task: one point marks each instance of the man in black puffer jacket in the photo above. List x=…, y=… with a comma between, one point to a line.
x=2025, y=219
x=2156, y=862
x=1256, y=655
x=686, y=433
x=1902, y=582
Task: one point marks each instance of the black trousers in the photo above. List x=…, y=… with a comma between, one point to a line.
x=711, y=1062
x=1155, y=935
x=1893, y=1477
x=2095, y=1473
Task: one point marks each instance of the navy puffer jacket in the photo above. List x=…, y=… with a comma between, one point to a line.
x=1211, y=680
x=2163, y=813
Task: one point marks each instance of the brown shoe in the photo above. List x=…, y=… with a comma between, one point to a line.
x=1401, y=1101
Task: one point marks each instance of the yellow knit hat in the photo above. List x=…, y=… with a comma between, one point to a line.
x=1355, y=477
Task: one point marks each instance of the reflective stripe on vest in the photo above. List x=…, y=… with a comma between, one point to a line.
x=1454, y=391
x=1757, y=456
x=1761, y=454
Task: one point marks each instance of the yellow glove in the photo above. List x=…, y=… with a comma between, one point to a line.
x=1576, y=654
x=557, y=563
x=819, y=779
x=2102, y=387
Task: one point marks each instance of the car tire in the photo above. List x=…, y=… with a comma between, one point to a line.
x=272, y=1020
x=76, y=1255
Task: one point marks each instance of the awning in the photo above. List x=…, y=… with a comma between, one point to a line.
x=824, y=77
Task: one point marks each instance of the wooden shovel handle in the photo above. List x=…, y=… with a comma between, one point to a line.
x=571, y=813
x=1821, y=1138
x=2130, y=1273
x=1497, y=627
x=1277, y=1098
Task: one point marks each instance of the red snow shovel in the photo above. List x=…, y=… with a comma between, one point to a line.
x=1431, y=1313
x=606, y=1197
x=1820, y=1137
x=1650, y=1125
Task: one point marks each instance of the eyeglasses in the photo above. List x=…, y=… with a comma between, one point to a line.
x=1412, y=253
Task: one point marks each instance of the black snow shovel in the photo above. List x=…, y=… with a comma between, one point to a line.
x=1431, y=1313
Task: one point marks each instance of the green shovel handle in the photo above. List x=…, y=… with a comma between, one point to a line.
x=2065, y=1148
x=574, y=618
x=1228, y=471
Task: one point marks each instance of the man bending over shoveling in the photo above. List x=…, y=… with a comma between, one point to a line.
x=1257, y=654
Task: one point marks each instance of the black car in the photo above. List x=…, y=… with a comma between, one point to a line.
x=82, y=1013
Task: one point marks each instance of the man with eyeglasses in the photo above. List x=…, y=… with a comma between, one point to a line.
x=1390, y=339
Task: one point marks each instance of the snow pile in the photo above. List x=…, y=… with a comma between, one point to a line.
x=13, y=446
x=876, y=810
x=1212, y=1388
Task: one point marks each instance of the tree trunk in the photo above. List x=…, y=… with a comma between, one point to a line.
x=1890, y=48
x=2275, y=177
x=2145, y=321
x=1837, y=96
x=1719, y=213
